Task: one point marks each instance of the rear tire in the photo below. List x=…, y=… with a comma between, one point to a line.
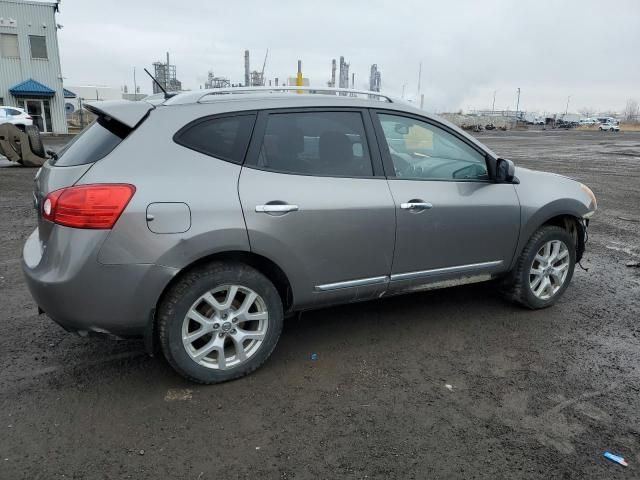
x=527, y=283
x=219, y=322
x=35, y=140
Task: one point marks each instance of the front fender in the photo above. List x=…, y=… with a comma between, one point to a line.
x=544, y=196
x=536, y=219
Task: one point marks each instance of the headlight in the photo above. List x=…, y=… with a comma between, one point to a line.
x=588, y=191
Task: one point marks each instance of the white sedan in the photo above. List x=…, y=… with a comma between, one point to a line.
x=16, y=116
x=609, y=127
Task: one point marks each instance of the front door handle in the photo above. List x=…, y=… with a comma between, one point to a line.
x=416, y=205
x=276, y=208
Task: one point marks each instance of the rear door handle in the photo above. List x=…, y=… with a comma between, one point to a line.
x=276, y=208
x=413, y=205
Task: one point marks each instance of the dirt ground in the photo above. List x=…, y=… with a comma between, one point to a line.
x=531, y=394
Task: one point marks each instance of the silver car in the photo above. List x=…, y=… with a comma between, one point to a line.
x=200, y=223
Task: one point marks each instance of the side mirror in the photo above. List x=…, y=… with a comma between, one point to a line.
x=505, y=171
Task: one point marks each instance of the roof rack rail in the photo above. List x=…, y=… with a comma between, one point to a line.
x=199, y=95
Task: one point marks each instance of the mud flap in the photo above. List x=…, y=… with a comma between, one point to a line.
x=151, y=345
x=583, y=236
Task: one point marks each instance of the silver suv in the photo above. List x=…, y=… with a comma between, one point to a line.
x=202, y=222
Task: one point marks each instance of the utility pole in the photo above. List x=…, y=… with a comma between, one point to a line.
x=81, y=113
x=518, y=105
x=419, y=78
x=403, y=87
x=135, y=85
x=247, y=81
x=493, y=105
x=567, y=108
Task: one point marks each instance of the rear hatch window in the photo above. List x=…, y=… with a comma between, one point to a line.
x=93, y=143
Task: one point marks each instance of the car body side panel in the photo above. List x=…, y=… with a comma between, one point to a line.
x=544, y=196
x=165, y=172
x=343, y=231
x=471, y=227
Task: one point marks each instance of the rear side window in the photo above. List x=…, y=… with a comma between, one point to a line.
x=316, y=143
x=225, y=138
x=95, y=142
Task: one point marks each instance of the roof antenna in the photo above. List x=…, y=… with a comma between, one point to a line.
x=166, y=95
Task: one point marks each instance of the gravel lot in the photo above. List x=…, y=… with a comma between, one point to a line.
x=532, y=394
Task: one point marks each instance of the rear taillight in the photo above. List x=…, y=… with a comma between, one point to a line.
x=95, y=206
x=29, y=117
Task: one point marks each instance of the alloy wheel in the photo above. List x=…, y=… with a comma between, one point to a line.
x=549, y=269
x=225, y=327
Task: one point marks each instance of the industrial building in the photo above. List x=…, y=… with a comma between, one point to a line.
x=165, y=74
x=30, y=73
x=375, y=79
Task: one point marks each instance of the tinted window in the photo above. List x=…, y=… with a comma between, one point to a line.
x=38, y=46
x=13, y=112
x=316, y=143
x=420, y=150
x=225, y=138
x=95, y=142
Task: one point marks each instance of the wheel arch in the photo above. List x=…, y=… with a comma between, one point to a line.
x=566, y=213
x=264, y=265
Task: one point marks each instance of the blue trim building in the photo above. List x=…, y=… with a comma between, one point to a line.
x=30, y=73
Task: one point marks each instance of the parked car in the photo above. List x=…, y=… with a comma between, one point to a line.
x=16, y=116
x=200, y=223
x=609, y=127
x=608, y=120
x=588, y=122
x=566, y=124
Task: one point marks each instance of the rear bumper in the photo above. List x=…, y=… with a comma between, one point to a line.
x=76, y=291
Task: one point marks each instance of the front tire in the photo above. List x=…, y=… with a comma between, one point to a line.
x=219, y=322
x=544, y=269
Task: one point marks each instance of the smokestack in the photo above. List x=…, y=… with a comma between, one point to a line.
x=374, y=79
x=333, y=73
x=246, y=69
x=299, y=81
x=276, y=81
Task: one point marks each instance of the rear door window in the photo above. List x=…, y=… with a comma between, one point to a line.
x=318, y=143
x=225, y=138
x=95, y=142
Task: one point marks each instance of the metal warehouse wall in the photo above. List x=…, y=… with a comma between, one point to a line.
x=33, y=18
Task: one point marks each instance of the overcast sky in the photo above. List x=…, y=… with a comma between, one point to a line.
x=551, y=49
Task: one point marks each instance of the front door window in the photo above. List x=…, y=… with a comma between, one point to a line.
x=422, y=151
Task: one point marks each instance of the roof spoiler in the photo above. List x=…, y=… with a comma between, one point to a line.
x=126, y=112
